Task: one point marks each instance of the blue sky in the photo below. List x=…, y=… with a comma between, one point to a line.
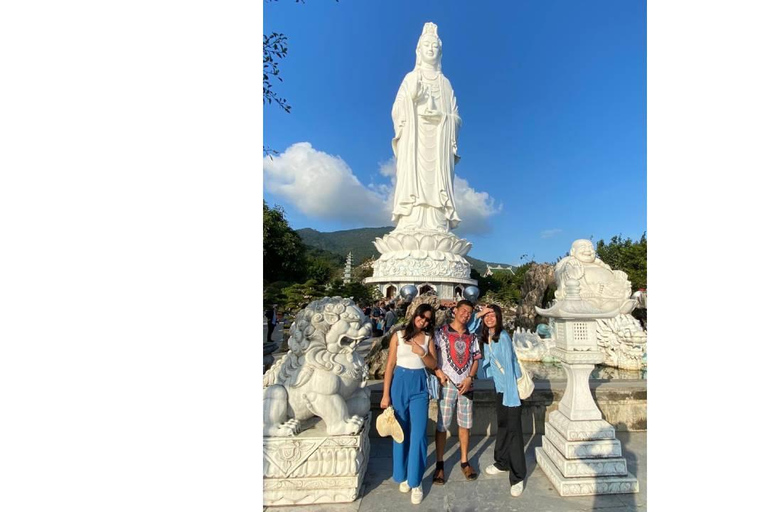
x=552, y=97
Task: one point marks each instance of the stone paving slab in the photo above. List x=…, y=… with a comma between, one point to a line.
x=487, y=493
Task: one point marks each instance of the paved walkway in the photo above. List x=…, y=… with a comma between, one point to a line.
x=487, y=493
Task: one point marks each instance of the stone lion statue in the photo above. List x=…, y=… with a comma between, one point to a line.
x=324, y=372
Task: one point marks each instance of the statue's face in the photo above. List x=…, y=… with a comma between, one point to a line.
x=429, y=49
x=584, y=252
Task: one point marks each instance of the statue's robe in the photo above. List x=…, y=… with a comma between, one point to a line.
x=426, y=153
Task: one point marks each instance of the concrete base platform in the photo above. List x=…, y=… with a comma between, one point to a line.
x=584, y=486
x=487, y=493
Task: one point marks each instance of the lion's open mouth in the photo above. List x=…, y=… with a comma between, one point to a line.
x=347, y=341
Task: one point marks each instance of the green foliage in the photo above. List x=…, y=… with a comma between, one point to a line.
x=284, y=252
x=360, y=242
x=294, y=274
x=631, y=257
x=361, y=272
x=323, y=266
x=275, y=48
x=503, y=286
x=362, y=294
x=298, y=295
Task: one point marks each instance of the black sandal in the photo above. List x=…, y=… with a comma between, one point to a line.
x=439, y=477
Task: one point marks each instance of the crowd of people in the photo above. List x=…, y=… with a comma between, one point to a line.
x=472, y=345
x=383, y=315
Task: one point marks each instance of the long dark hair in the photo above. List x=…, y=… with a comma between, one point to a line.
x=411, y=330
x=499, y=325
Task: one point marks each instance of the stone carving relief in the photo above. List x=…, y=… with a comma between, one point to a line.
x=324, y=372
x=422, y=269
x=529, y=346
x=623, y=341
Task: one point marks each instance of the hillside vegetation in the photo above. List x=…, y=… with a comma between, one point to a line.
x=360, y=242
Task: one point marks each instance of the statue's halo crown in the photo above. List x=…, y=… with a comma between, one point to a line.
x=430, y=29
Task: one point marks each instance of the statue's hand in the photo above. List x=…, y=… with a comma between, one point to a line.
x=418, y=90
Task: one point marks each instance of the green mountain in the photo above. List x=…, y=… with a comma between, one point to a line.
x=360, y=242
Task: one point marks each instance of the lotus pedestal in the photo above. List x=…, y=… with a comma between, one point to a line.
x=429, y=260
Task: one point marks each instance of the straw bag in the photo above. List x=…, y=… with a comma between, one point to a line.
x=524, y=382
x=387, y=425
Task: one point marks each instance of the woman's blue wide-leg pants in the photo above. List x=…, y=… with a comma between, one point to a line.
x=410, y=400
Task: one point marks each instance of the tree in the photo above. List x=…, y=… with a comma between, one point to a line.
x=299, y=295
x=631, y=257
x=504, y=286
x=284, y=252
x=275, y=48
x=362, y=294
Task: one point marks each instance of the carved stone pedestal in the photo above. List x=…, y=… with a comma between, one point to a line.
x=583, y=457
x=314, y=467
x=424, y=258
x=580, y=453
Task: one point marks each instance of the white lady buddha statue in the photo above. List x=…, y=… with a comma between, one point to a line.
x=426, y=121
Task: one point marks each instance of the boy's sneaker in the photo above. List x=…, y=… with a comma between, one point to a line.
x=493, y=470
x=404, y=486
x=416, y=495
x=517, y=489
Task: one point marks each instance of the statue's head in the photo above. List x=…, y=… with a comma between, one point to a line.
x=430, y=48
x=583, y=250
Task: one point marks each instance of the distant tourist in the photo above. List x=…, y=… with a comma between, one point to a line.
x=389, y=318
x=405, y=389
x=376, y=312
x=500, y=363
x=277, y=335
x=271, y=315
x=458, y=354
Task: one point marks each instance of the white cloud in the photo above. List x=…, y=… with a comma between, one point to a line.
x=321, y=185
x=549, y=233
x=475, y=208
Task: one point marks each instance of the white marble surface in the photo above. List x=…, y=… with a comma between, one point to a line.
x=425, y=115
x=324, y=372
x=315, y=467
x=571, y=468
x=421, y=248
x=623, y=341
x=585, y=485
x=583, y=278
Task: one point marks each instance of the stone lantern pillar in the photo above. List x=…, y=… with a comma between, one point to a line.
x=580, y=453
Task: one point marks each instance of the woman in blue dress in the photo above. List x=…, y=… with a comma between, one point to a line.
x=500, y=363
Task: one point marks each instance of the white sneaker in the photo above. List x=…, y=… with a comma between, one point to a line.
x=416, y=495
x=517, y=489
x=493, y=470
x=404, y=486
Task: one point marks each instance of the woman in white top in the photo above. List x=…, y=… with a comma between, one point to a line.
x=411, y=352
